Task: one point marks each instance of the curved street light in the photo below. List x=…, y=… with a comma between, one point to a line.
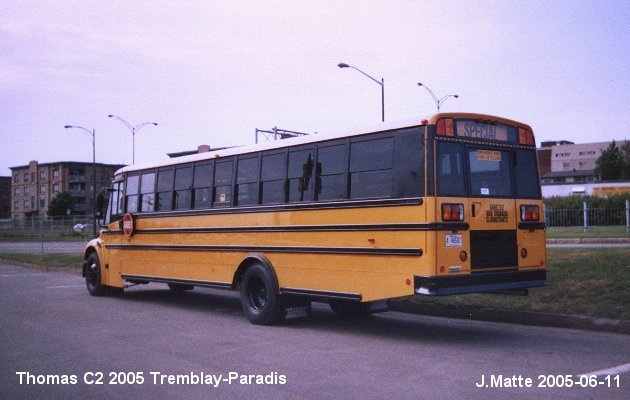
x=381, y=83
x=133, y=130
x=439, y=102
x=93, y=134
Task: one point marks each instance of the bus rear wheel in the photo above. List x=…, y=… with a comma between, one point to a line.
x=260, y=297
x=349, y=309
x=93, y=276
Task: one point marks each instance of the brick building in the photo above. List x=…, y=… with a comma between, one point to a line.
x=34, y=185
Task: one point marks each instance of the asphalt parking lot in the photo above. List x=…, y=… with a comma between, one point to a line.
x=52, y=327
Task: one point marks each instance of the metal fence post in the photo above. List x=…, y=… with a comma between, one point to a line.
x=628, y=217
x=41, y=232
x=585, y=217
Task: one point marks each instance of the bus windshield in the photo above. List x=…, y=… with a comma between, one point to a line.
x=469, y=170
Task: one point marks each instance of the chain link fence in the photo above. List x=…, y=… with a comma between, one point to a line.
x=587, y=217
x=43, y=228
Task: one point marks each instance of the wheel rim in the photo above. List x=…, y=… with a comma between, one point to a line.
x=91, y=275
x=258, y=294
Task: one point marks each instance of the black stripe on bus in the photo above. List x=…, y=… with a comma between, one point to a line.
x=210, y=284
x=532, y=225
x=273, y=249
x=445, y=226
x=322, y=294
x=284, y=207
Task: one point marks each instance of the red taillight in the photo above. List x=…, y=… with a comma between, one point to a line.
x=530, y=213
x=452, y=212
x=445, y=127
x=525, y=136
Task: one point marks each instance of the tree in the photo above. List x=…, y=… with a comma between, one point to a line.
x=59, y=204
x=610, y=164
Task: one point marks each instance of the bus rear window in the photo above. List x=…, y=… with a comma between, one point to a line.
x=525, y=173
x=450, y=169
x=489, y=173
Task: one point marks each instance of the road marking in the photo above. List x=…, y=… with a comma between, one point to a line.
x=64, y=286
x=620, y=369
x=18, y=275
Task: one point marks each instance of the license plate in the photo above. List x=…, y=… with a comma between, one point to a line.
x=453, y=240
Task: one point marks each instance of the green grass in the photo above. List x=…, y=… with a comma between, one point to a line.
x=571, y=232
x=589, y=282
x=61, y=261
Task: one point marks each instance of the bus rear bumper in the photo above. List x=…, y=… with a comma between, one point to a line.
x=479, y=282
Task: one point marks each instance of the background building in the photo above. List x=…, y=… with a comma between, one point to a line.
x=34, y=185
x=568, y=169
x=567, y=162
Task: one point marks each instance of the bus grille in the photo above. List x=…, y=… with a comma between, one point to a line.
x=493, y=249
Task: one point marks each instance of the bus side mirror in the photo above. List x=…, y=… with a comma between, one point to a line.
x=101, y=205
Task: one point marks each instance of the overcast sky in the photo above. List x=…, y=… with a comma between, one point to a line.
x=210, y=72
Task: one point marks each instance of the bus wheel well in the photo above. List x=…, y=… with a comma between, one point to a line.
x=247, y=262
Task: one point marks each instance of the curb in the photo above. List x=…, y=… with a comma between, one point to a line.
x=588, y=240
x=512, y=316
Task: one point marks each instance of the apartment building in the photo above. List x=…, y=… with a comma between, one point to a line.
x=35, y=184
x=568, y=162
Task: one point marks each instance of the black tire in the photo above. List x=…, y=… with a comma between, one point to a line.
x=349, y=309
x=180, y=287
x=93, y=276
x=260, y=297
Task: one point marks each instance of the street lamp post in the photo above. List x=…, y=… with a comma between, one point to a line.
x=439, y=102
x=133, y=130
x=93, y=134
x=381, y=83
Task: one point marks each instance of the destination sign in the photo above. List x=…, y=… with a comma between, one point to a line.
x=472, y=129
x=488, y=155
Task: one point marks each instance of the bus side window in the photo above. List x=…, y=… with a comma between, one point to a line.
x=183, y=187
x=147, y=191
x=371, y=166
x=223, y=183
x=131, y=193
x=331, y=172
x=165, y=189
x=247, y=175
x=115, y=209
x=274, y=172
x=202, y=184
x=300, y=172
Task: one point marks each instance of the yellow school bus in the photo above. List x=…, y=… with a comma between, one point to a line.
x=447, y=205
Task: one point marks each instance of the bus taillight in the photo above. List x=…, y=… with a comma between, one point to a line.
x=530, y=213
x=452, y=212
x=525, y=136
x=445, y=127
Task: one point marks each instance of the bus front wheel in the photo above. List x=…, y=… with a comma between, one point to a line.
x=93, y=276
x=260, y=297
